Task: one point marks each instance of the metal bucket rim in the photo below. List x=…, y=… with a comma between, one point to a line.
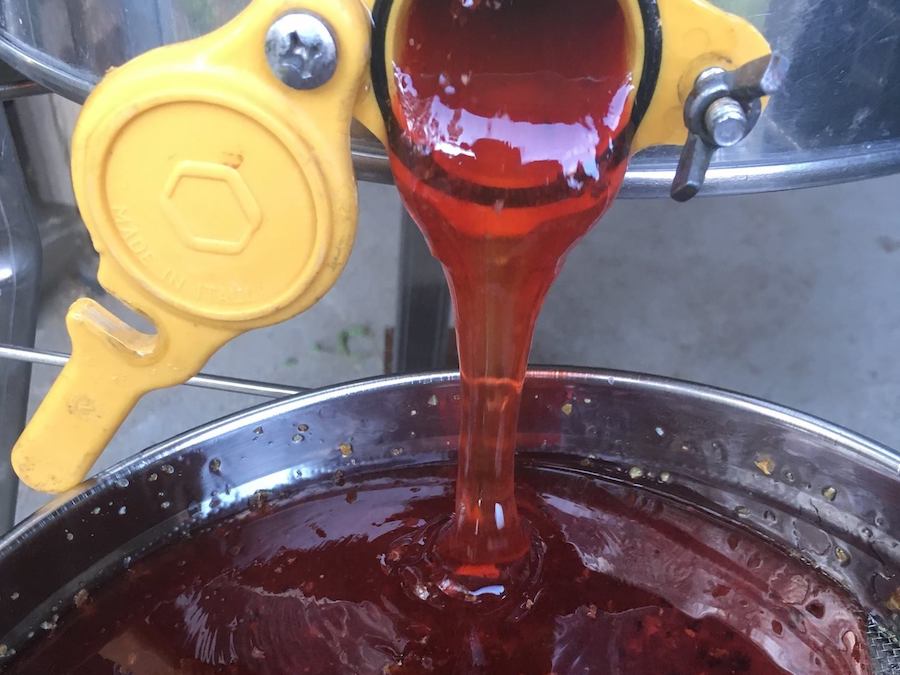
x=877, y=454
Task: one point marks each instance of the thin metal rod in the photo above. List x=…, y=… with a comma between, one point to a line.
x=14, y=90
x=202, y=381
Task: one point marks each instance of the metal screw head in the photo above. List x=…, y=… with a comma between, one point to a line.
x=301, y=50
x=726, y=122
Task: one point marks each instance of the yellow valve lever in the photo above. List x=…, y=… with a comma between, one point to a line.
x=219, y=199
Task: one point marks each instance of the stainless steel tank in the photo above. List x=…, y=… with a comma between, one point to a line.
x=821, y=492
x=835, y=119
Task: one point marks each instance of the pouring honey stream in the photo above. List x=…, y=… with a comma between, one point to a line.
x=509, y=137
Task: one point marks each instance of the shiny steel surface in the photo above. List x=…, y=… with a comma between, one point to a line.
x=834, y=121
x=826, y=494
x=20, y=284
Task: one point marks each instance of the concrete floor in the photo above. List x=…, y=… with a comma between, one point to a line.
x=791, y=297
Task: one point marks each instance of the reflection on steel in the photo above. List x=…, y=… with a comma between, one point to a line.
x=20, y=280
x=215, y=382
x=707, y=443
x=835, y=119
x=788, y=171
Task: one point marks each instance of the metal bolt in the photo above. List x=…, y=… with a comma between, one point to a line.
x=726, y=122
x=301, y=50
x=708, y=74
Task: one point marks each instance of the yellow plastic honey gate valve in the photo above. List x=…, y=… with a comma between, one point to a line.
x=220, y=200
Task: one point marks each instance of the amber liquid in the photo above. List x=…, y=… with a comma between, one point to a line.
x=510, y=139
x=630, y=584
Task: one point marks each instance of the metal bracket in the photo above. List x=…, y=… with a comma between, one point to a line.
x=722, y=109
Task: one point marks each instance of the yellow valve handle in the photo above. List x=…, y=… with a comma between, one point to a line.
x=219, y=199
x=111, y=368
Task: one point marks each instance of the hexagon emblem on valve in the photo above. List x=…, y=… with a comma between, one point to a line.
x=211, y=207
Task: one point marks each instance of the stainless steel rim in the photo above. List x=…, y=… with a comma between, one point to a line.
x=649, y=177
x=866, y=448
x=645, y=178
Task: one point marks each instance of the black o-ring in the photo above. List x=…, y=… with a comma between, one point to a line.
x=653, y=43
x=381, y=12
x=652, y=60
x=653, y=51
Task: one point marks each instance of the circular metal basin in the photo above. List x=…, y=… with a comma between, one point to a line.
x=834, y=121
x=823, y=493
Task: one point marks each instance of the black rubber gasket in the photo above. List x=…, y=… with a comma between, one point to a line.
x=381, y=12
x=653, y=52
x=653, y=43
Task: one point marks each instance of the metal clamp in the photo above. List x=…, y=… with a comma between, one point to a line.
x=721, y=111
